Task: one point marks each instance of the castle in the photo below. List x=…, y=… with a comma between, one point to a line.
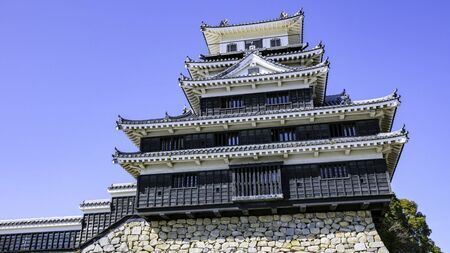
x=264, y=160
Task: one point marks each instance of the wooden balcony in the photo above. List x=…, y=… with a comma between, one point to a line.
x=266, y=186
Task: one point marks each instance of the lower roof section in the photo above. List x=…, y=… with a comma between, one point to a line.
x=390, y=145
x=30, y=225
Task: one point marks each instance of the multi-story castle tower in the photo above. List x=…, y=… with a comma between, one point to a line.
x=264, y=160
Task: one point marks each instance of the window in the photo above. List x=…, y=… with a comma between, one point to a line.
x=232, y=47
x=256, y=43
x=258, y=181
x=343, y=130
x=337, y=170
x=233, y=139
x=277, y=98
x=232, y=102
x=275, y=42
x=184, y=181
x=284, y=134
x=253, y=71
x=172, y=143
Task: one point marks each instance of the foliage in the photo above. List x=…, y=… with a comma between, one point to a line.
x=404, y=229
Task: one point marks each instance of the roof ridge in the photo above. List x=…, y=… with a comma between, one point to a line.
x=41, y=219
x=225, y=23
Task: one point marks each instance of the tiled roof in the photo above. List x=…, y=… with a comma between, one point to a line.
x=95, y=203
x=224, y=23
x=40, y=221
x=338, y=99
x=122, y=186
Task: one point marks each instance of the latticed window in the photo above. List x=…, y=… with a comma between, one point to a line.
x=284, y=134
x=172, y=143
x=334, y=170
x=232, y=102
x=275, y=42
x=256, y=182
x=232, y=47
x=233, y=139
x=343, y=130
x=277, y=98
x=184, y=181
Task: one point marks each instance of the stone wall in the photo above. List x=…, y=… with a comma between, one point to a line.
x=303, y=232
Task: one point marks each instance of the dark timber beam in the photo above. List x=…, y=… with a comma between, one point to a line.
x=217, y=213
x=164, y=216
x=365, y=205
x=190, y=215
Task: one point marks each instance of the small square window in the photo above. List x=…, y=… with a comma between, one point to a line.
x=275, y=42
x=232, y=47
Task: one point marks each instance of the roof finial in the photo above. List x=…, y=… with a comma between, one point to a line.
x=394, y=94
x=320, y=45
x=187, y=59
x=345, y=98
x=182, y=77
x=185, y=109
x=404, y=131
x=166, y=116
x=224, y=22
x=116, y=152
x=203, y=25
x=283, y=14
x=327, y=62
x=299, y=12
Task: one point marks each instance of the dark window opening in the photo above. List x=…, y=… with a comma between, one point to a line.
x=255, y=43
x=343, y=130
x=172, y=143
x=260, y=136
x=257, y=102
x=232, y=47
x=336, y=170
x=232, y=102
x=257, y=182
x=184, y=181
x=284, y=134
x=277, y=98
x=275, y=42
x=253, y=71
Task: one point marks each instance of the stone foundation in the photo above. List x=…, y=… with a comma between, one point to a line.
x=303, y=232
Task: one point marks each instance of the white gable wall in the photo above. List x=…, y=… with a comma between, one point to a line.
x=240, y=42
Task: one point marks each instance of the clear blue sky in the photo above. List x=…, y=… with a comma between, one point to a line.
x=68, y=68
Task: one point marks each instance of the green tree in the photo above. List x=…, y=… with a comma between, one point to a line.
x=405, y=230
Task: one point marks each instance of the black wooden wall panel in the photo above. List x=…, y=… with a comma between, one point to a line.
x=257, y=102
x=44, y=241
x=251, y=182
x=261, y=135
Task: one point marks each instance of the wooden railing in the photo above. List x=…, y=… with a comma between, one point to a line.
x=246, y=183
x=256, y=108
x=257, y=183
